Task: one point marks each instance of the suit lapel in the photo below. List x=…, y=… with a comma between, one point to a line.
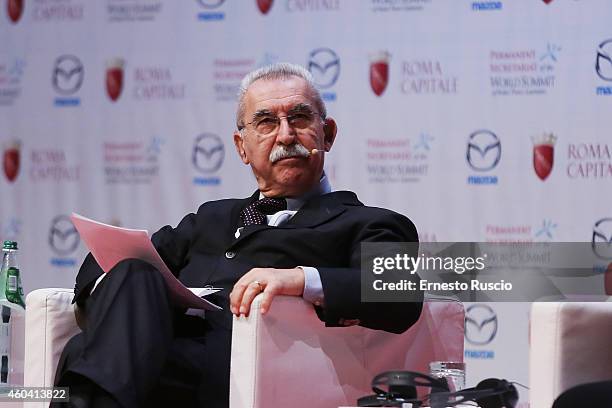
x=235, y=220
x=316, y=211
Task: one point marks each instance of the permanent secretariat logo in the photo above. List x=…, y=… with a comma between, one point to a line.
x=324, y=65
x=135, y=162
x=14, y=9
x=133, y=11
x=399, y=160
x=67, y=78
x=11, y=78
x=63, y=240
x=481, y=324
x=207, y=157
x=524, y=71
x=601, y=241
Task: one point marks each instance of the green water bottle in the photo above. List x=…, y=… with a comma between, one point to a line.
x=11, y=300
x=11, y=290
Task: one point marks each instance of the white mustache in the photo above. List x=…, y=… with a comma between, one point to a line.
x=280, y=152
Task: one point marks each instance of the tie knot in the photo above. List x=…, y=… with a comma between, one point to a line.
x=255, y=213
x=270, y=205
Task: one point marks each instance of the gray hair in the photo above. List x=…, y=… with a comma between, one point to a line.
x=280, y=70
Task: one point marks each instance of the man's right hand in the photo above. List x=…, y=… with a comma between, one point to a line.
x=270, y=282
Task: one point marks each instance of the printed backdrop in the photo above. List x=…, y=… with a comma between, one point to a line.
x=479, y=120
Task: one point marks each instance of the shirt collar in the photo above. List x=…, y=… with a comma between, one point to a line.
x=294, y=204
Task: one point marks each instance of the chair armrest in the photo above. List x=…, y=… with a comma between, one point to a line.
x=289, y=358
x=569, y=343
x=50, y=323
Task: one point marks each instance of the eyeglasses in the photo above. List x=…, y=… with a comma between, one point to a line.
x=267, y=124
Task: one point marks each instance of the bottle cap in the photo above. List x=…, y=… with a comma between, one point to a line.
x=9, y=245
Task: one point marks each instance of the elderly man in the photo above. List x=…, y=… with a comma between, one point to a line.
x=293, y=236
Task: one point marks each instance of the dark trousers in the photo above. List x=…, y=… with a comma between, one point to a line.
x=592, y=395
x=135, y=346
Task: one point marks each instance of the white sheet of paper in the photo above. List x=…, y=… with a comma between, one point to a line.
x=109, y=245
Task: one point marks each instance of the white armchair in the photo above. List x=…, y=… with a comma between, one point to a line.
x=286, y=358
x=570, y=345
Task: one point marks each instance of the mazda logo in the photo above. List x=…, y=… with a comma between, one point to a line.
x=483, y=150
x=208, y=153
x=603, y=63
x=68, y=74
x=324, y=65
x=601, y=241
x=480, y=324
x=210, y=4
x=63, y=237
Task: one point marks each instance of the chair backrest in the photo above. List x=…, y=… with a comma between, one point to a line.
x=288, y=357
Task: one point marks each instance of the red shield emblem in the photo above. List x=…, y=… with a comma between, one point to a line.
x=14, y=9
x=544, y=155
x=264, y=5
x=114, y=78
x=11, y=160
x=379, y=72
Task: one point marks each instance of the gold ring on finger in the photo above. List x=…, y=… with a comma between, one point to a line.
x=259, y=285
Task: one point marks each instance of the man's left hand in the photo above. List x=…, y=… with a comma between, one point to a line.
x=270, y=282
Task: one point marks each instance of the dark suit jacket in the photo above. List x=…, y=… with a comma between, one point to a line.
x=325, y=233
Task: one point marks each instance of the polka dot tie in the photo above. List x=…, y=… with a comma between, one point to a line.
x=255, y=214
